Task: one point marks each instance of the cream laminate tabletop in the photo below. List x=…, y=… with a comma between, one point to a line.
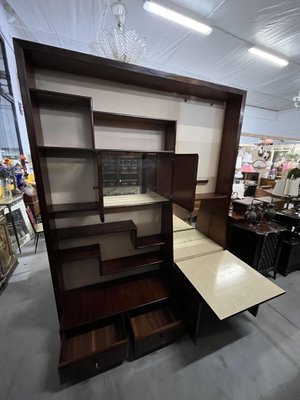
x=187, y=236
x=195, y=248
x=180, y=225
x=227, y=284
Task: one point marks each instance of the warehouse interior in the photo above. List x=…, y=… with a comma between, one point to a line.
x=149, y=199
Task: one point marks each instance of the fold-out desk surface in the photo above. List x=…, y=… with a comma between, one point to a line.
x=227, y=284
x=195, y=248
x=192, y=243
x=180, y=225
x=187, y=236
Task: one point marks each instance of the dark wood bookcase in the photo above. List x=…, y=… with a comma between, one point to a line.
x=111, y=253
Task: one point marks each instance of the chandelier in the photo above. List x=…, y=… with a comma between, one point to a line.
x=119, y=44
x=296, y=100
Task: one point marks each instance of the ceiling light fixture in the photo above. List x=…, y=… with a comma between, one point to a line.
x=268, y=56
x=296, y=100
x=176, y=17
x=120, y=44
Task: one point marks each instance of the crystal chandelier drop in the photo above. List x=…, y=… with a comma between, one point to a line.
x=119, y=44
x=296, y=100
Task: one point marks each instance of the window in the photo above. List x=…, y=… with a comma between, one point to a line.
x=10, y=143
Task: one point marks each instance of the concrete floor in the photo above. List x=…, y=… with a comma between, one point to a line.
x=244, y=358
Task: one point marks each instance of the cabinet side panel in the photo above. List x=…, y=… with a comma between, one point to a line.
x=234, y=112
x=212, y=219
x=26, y=79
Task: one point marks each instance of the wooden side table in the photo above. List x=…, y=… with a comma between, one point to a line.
x=257, y=245
x=8, y=260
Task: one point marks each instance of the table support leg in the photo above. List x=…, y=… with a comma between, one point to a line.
x=14, y=227
x=253, y=310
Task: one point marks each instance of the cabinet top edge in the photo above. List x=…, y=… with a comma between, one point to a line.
x=50, y=57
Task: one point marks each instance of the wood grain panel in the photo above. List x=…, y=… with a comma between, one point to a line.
x=84, y=345
x=153, y=322
x=88, y=304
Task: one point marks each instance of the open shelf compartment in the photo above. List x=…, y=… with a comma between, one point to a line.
x=88, y=304
x=93, y=350
x=123, y=264
x=155, y=328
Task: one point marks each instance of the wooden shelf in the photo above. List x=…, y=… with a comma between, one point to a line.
x=66, y=152
x=82, y=346
x=71, y=208
x=86, y=305
x=98, y=229
x=102, y=118
x=79, y=253
x=133, y=200
x=142, y=151
x=132, y=262
x=148, y=241
x=209, y=196
x=51, y=97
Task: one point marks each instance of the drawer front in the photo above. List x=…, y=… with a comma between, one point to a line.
x=150, y=343
x=93, y=365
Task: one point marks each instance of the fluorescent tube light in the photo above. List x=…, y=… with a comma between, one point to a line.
x=176, y=17
x=269, y=57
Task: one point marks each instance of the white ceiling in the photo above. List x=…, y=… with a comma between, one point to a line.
x=221, y=57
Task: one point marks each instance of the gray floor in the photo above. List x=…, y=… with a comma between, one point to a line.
x=244, y=358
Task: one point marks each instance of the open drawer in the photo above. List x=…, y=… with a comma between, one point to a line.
x=154, y=329
x=91, y=351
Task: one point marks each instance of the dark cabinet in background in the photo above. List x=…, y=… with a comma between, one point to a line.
x=289, y=257
x=257, y=245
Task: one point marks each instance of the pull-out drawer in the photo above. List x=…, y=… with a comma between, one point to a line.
x=90, y=352
x=154, y=329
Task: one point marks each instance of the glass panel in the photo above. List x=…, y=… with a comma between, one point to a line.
x=9, y=146
x=128, y=173
x=4, y=79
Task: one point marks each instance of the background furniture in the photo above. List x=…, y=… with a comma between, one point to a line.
x=101, y=288
x=37, y=227
x=8, y=260
x=251, y=181
x=241, y=206
x=267, y=182
x=289, y=255
x=257, y=245
x=17, y=224
x=251, y=176
x=32, y=201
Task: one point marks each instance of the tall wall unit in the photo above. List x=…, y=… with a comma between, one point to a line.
x=106, y=203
